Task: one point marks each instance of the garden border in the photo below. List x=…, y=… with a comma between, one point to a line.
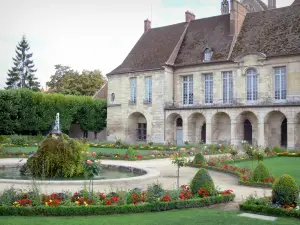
x=268, y=210
x=108, y=210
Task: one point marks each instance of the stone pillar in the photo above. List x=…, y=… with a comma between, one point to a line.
x=208, y=132
x=233, y=136
x=185, y=129
x=291, y=135
x=261, y=133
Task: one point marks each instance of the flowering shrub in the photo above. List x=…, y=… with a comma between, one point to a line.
x=203, y=193
x=80, y=200
x=226, y=192
x=54, y=199
x=92, y=166
x=185, y=193
x=166, y=198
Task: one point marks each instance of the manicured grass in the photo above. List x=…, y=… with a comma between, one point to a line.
x=186, y=217
x=278, y=166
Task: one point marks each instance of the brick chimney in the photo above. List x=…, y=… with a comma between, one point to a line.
x=147, y=25
x=189, y=16
x=271, y=4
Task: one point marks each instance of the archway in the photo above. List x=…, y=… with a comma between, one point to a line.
x=137, y=127
x=221, y=128
x=247, y=127
x=276, y=129
x=203, y=133
x=297, y=131
x=174, y=129
x=195, y=128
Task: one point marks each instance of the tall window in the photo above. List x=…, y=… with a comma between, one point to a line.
x=227, y=87
x=187, y=87
x=207, y=54
x=280, y=83
x=142, y=131
x=208, y=88
x=251, y=85
x=133, y=90
x=148, y=90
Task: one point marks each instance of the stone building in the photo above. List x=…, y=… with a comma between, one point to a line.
x=223, y=79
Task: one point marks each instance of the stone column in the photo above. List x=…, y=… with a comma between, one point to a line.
x=291, y=135
x=185, y=129
x=233, y=138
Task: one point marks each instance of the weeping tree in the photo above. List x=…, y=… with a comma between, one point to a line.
x=22, y=73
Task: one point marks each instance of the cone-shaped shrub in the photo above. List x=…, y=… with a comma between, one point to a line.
x=58, y=156
x=285, y=190
x=199, y=159
x=260, y=173
x=201, y=180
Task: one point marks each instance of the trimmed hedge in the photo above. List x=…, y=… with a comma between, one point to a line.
x=268, y=210
x=108, y=210
x=27, y=112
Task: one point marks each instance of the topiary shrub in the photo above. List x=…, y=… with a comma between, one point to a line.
x=276, y=149
x=58, y=156
x=202, y=180
x=199, y=159
x=285, y=190
x=260, y=173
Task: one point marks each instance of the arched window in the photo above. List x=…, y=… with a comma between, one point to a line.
x=208, y=54
x=251, y=85
x=179, y=122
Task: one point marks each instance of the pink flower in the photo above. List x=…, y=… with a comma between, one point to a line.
x=89, y=162
x=94, y=154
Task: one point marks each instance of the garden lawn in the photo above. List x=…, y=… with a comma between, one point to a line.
x=91, y=149
x=186, y=217
x=278, y=166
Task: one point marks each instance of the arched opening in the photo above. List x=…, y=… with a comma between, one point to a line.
x=195, y=127
x=297, y=131
x=248, y=131
x=203, y=133
x=276, y=129
x=284, y=133
x=221, y=128
x=137, y=127
x=174, y=129
x=179, y=131
x=247, y=127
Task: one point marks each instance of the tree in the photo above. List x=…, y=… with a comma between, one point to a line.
x=22, y=73
x=69, y=82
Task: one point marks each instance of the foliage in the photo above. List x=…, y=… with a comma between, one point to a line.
x=260, y=174
x=289, y=154
x=131, y=153
x=22, y=73
x=18, y=140
x=1, y=148
x=285, y=190
x=199, y=159
x=27, y=112
x=69, y=82
x=201, y=180
x=277, y=149
x=92, y=166
x=57, y=156
x=155, y=192
x=232, y=150
x=179, y=160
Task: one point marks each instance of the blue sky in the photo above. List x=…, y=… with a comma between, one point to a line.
x=86, y=34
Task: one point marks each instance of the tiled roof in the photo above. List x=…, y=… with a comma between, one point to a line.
x=205, y=33
x=273, y=32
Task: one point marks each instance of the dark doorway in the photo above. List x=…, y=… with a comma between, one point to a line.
x=203, y=133
x=284, y=133
x=248, y=131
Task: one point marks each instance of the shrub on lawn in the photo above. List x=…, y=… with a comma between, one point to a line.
x=260, y=173
x=155, y=192
x=131, y=153
x=285, y=190
x=199, y=159
x=202, y=180
x=276, y=149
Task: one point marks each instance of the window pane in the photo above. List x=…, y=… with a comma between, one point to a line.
x=208, y=88
x=148, y=90
x=227, y=87
x=280, y=83
x=187, y=90
x=133, y=90
x=251, y=85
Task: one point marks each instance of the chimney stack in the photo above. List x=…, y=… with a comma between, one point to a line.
x=189, y=16
x=271, y=4
x=147, y=25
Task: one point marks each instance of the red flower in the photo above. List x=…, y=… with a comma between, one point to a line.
x=166, y=198
x=139, y=156
x=108, y=202
x=227, y=192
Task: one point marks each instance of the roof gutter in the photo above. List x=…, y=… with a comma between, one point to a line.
x=134, y=71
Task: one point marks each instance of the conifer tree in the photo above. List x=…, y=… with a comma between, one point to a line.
x=22, y=73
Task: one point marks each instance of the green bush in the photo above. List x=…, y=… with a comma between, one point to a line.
x=285, y=190
x=267, y=150
x=131, y=153
x=19, y=140
x=155, y=192
x=260, y=173
x=201, y=180
x=276, y=149
x=4, y=139
x=199, y=159
x=57, y=156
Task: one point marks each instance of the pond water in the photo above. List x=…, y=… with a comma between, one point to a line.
x=106, y=173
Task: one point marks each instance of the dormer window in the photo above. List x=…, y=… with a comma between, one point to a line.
x=208, y=54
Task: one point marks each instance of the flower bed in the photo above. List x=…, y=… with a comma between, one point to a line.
x=243, y=175
x=288, y=154
x=87, y=203
x=264, y=206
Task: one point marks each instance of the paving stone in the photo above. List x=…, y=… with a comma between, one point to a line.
x=261, y=217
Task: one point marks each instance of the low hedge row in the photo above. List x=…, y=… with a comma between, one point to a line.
x=235, y=174
x=107, y=210
x=288, y=155
x=268, y=210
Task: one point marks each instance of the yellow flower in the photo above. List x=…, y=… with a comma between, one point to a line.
x=77, y=202
x=46, y=203
x=50, y=200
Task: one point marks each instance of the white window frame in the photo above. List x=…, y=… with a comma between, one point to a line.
x=280, y=84
x=148, y=90
x=187, y=90
x=227, y=83
x=207, y=55
x=208, y=88
x=251, y=85
x=133, y=81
